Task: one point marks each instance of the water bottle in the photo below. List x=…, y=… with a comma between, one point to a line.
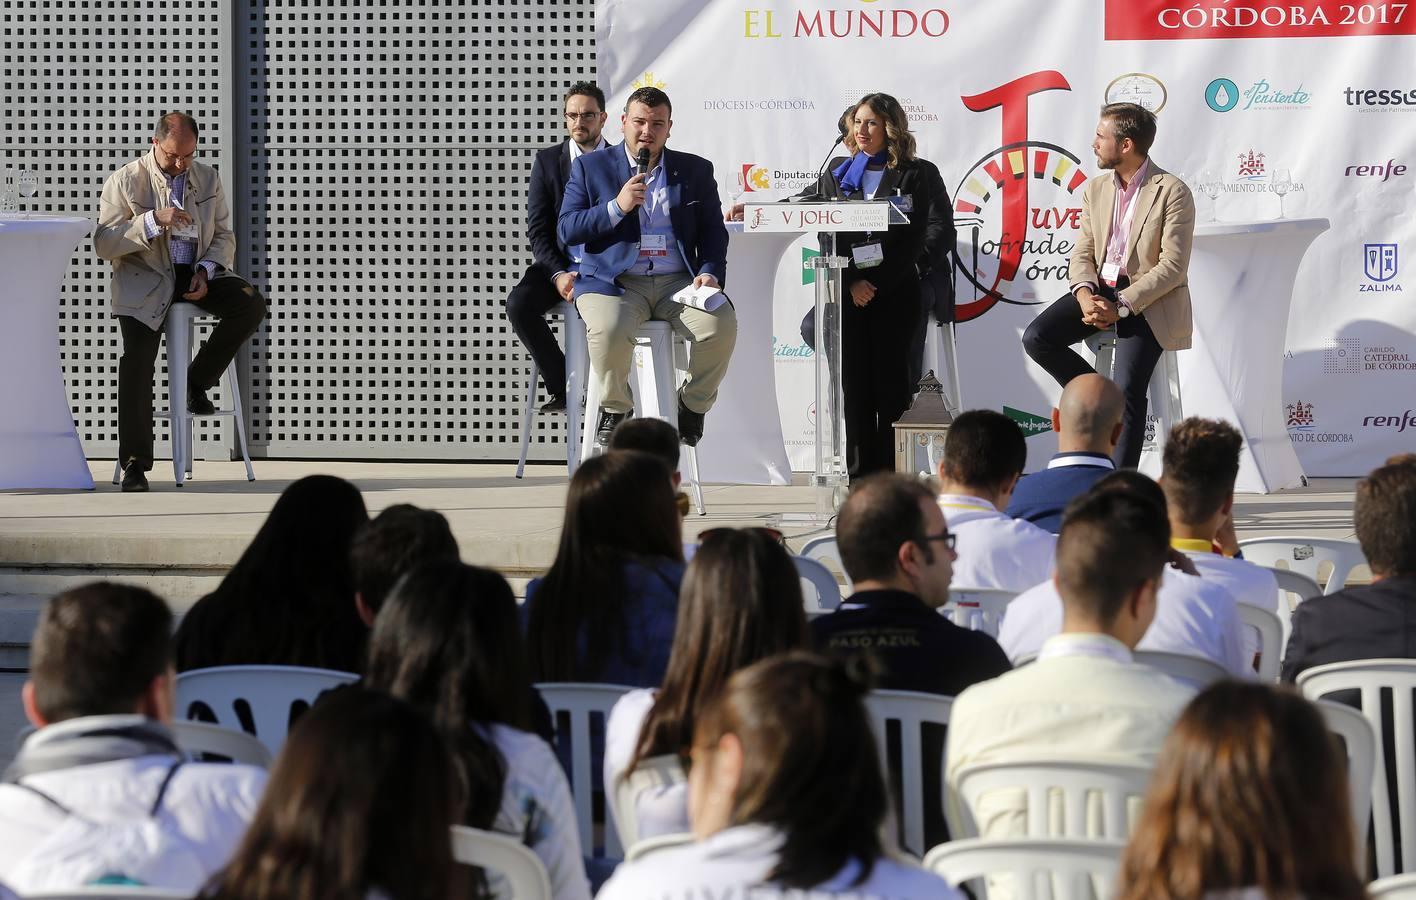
x=9, y=197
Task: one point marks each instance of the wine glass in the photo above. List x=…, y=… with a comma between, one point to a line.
x=1210, y=186
x=1282, y=184
x=27, y=184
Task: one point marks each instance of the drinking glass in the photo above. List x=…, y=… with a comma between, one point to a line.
x=9, y=201
x=1282, y=184
x=1210, y=186
x=27, y=183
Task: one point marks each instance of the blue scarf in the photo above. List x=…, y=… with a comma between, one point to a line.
x=850, y=173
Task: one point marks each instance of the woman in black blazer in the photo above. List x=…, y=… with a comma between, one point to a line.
x=881, y=286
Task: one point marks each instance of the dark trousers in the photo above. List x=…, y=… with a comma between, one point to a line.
x=875, y=346
x=916, y=355
x=1049, y=339
x=239, y=309
x=526, y=307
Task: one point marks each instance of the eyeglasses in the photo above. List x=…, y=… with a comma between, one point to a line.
x=173, y=156
x=949, y=539
x=772, y=533
x=581, y=117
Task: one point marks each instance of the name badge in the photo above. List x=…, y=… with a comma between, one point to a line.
x=188, y=232
x=653, y=245
x=1111, y=273
x=904, y=203
x=868, y=254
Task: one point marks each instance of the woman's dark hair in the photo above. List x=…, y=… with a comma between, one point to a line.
x=810, y=767
x=899, y=141
x=620, y=508
x=740, y=602
x=358, y=805
x=1250, y=791
x=289, y=600
x=447, y=641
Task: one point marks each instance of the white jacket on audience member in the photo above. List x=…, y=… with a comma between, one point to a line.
x=996, y=550
x=734, y=863
x=659, y=810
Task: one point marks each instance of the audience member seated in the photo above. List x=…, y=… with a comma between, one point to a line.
x=101, y=792
x=983, y=459
x=1375, y=620
x=447, y=641
x=360, y=802
x=391, y=544
x=786, y=797
x=605, y=611
x=657, y=438
x=288, y=599
x=741, y=602
x=1084, y=698
x=1193, y=616
x=1087, y=420
x=1249, y=802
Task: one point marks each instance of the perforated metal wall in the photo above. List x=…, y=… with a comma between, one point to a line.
x=377, y=156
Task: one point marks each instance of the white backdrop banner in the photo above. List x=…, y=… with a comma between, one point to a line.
x=1003, y=97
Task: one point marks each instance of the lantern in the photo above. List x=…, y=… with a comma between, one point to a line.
x=921, y=431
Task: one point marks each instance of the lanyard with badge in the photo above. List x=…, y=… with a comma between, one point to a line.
x=871, y=252
x=651, y=246
x=1111, y=272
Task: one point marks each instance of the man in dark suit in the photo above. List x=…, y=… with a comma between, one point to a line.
x=548, y=281
x=1087, y=420
x=645, y=237
x=1372, y=621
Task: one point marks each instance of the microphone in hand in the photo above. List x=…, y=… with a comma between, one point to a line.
x=643, y=160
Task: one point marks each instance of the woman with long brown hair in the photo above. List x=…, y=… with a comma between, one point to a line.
x=1249, y=800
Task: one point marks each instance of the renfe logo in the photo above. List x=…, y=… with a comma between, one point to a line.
x=1390, y=168
x=1398, y=422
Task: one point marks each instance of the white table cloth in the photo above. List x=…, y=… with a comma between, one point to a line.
x=1241, y=284
x=39, y=447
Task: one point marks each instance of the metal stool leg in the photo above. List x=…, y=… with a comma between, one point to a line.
x=239, y=418
x=528, y=416
x=179, y=356
x=117, y=471
x=577, y=360
x=692, y=454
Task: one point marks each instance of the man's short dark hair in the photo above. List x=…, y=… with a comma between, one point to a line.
x=648, y=435
x=585, y=89
x=881, y=514
x=1201, y=462
x=1385, y=516
x=394, y=542
x=1112, y=541
x=176, y=121
x=650, y=97
x=984, y=448
x=97, y=649
x=1132, y=482
x=1134, y=121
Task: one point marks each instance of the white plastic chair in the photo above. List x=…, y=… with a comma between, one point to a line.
x=178, y=331
x=978, y=609
x=588, y=707
x=912, y=710
x=1373, y=678
x=1197, y=671
x=649, y=846
x=1360, y=745
x=825, y=593
x=522, y=869
x=654, y=773
x=1046, y=783
x=238, y=746
x=1271, y=643
x=259, y=700
x=1040, y=869
x=1292, y=584
x=112, y=892
x=1397, y=887
x=1307, y=555
x=823, y=549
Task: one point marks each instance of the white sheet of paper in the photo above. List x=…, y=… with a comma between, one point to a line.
x=705, y=297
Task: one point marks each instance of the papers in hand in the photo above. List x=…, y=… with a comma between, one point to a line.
x=705, y=297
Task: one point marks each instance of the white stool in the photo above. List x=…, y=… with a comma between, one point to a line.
x=577, y=356
x=654, y=382
x=178, y=329
x=1163, y=391
x=941, y=356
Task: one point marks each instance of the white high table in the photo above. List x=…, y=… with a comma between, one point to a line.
x=39, y=447
x=1241, y=284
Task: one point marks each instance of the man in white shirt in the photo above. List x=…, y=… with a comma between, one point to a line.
x=102, y=790
x=1084, y=698
x=983, y=460
x=1194, y=616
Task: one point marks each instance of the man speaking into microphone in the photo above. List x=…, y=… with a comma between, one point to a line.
x=651, y=224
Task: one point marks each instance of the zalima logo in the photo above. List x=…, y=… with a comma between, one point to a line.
x=1399, y=422
x=1223, y=95
x=1032, y=425
x=1379, y=264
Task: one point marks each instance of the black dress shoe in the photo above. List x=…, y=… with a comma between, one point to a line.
x=608, y=422
x=198, y=404
x=134, y=479
x=690, y=425
x=554, y=405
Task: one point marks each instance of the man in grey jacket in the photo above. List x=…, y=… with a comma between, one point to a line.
x=164, y=224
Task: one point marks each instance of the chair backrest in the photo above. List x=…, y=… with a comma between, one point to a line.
x=653, y=773
x=1397, y=887
x=1271, y=642
x=237, y=746
x=912, y=710
x=588, y=709
x=823, y=549
x=1071, y=788
x=260, y=700
x=523, y=870
x=1307, y=556
x=1360, y=744
x=113, y=892
x=821, y=594
x=1293, y=588
x=1375, y=680
x=640, y=849
x=1197, y=671
x=978, y=609
x=1067, y=869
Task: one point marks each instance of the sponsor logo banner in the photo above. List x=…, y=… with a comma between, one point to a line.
x=1167, y=20
x=1303, y=427
x=1382, y=171
x=1224, y=94
x=1379, y=264
x=1031, y=424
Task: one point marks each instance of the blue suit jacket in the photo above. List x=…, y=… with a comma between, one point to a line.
x=610, y=249
x=1040, y=497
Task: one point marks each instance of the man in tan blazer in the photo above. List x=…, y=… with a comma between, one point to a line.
x=164, y=224
x=1129, y=270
